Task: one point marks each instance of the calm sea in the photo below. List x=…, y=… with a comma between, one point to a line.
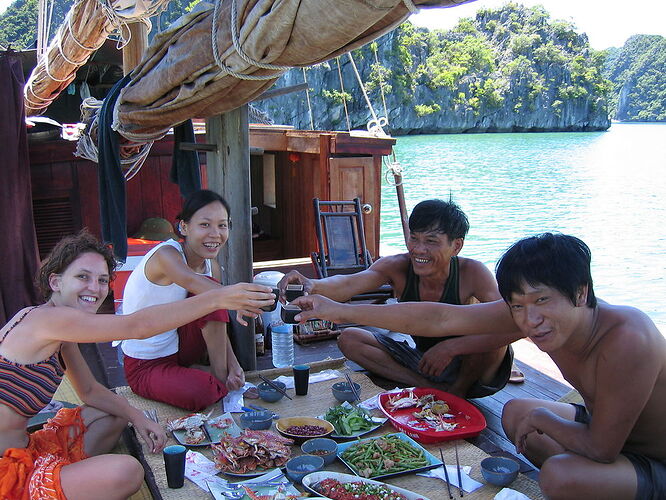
x=607, y=188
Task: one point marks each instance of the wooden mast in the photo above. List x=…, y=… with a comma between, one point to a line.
x=228, y=173
x=133, y=52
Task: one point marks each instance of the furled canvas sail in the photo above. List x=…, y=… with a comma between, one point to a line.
x=184, y=74
x=87, y=24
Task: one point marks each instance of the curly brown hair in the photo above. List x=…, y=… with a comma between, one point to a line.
x=66, y=251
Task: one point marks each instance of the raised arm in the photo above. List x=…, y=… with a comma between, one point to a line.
x=71, y=325
x=343, y=287
x=167, y=266
x=427, y=319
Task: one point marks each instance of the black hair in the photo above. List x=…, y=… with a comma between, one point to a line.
x=441, y=216
x=66, y=251
x=555, y=260
x=197, y=200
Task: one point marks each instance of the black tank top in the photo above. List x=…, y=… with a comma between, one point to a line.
x=450, y=295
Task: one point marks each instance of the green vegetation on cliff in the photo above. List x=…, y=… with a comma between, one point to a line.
x=511, y=56
x=638, y=75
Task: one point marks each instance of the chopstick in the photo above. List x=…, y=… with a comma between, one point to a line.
x=455, y=443
x=276, y=387
x=446, y=474
x=357, y=396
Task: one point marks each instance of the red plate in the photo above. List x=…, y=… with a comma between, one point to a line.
x=469, y=419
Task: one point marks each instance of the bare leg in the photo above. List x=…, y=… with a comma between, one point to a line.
x=361, y=347
x=570, y=476
x=480, y=367
x=108, y=477
x=225, y=366
x=102, y=430
x=215, y=336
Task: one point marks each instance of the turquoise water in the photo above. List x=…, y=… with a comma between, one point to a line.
x=607, y=188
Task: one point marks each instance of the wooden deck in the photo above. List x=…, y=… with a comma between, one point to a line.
x=104, y=363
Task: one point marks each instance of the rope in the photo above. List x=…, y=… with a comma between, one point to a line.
x=344, y=96
x=393, y=167
x=410, y=6
x=237, y=47
x=375, y=126
x=381, y=82
x=307, y=96
x=87, y=148
x=117, y=22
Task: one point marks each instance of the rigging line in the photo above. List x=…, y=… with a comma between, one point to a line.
x=307, y=96
x=375, y=126
x=360, y=82
x=344, y=95
x=381, y=82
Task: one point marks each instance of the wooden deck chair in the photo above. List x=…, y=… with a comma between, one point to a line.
x=341, y=243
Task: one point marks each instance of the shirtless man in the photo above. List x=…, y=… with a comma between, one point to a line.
x=430, y=271
x=615, y=445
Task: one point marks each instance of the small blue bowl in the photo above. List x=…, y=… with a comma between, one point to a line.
x=499, y=471
x=270, y=394
x=343, y=392
x=299, y=467
x=321, y=447
x=256, y=420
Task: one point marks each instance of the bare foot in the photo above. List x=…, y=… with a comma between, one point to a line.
x=516, y=377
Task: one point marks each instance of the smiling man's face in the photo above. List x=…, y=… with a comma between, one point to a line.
x=431, y=251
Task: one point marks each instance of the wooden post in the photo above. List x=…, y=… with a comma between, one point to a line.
x=134, y=50
x=228, y=172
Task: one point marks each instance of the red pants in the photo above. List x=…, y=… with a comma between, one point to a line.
x=170, y=380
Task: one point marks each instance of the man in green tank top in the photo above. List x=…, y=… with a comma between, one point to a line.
x=430, y=271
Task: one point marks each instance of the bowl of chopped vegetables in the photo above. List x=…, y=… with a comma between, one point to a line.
x=351, y=421
x=301, y=428
x=323, y=447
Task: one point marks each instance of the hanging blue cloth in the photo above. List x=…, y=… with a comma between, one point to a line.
x=112, y=204
x=185, y=167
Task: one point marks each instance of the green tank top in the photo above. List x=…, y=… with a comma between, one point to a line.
x=450, y=295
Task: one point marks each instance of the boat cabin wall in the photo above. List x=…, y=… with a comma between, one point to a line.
x=66, y=198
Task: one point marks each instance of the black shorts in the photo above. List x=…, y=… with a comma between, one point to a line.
x=410, y=357
x=650, y=472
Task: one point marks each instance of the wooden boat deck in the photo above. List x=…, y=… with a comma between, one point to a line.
x=104, y=363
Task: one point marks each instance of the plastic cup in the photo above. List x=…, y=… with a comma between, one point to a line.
x=174, y=464
x=301, y=379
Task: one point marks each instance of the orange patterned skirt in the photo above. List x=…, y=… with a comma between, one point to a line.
x=34, y=472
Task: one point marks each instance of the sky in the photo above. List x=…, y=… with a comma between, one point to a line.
x=607, y=23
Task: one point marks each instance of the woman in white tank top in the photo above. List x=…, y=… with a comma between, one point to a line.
x=168, y=367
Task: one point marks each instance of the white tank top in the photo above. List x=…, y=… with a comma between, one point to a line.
x=139, y=293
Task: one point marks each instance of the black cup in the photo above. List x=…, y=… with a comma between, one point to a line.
x=293, y=292
x=271, y=308
x=301, y=379
x=288, y=313
x=174, y=464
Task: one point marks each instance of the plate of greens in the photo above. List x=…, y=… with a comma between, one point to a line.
x=351, y=421
x=385, y=456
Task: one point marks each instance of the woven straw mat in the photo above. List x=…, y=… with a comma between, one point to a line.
x=317, y=401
